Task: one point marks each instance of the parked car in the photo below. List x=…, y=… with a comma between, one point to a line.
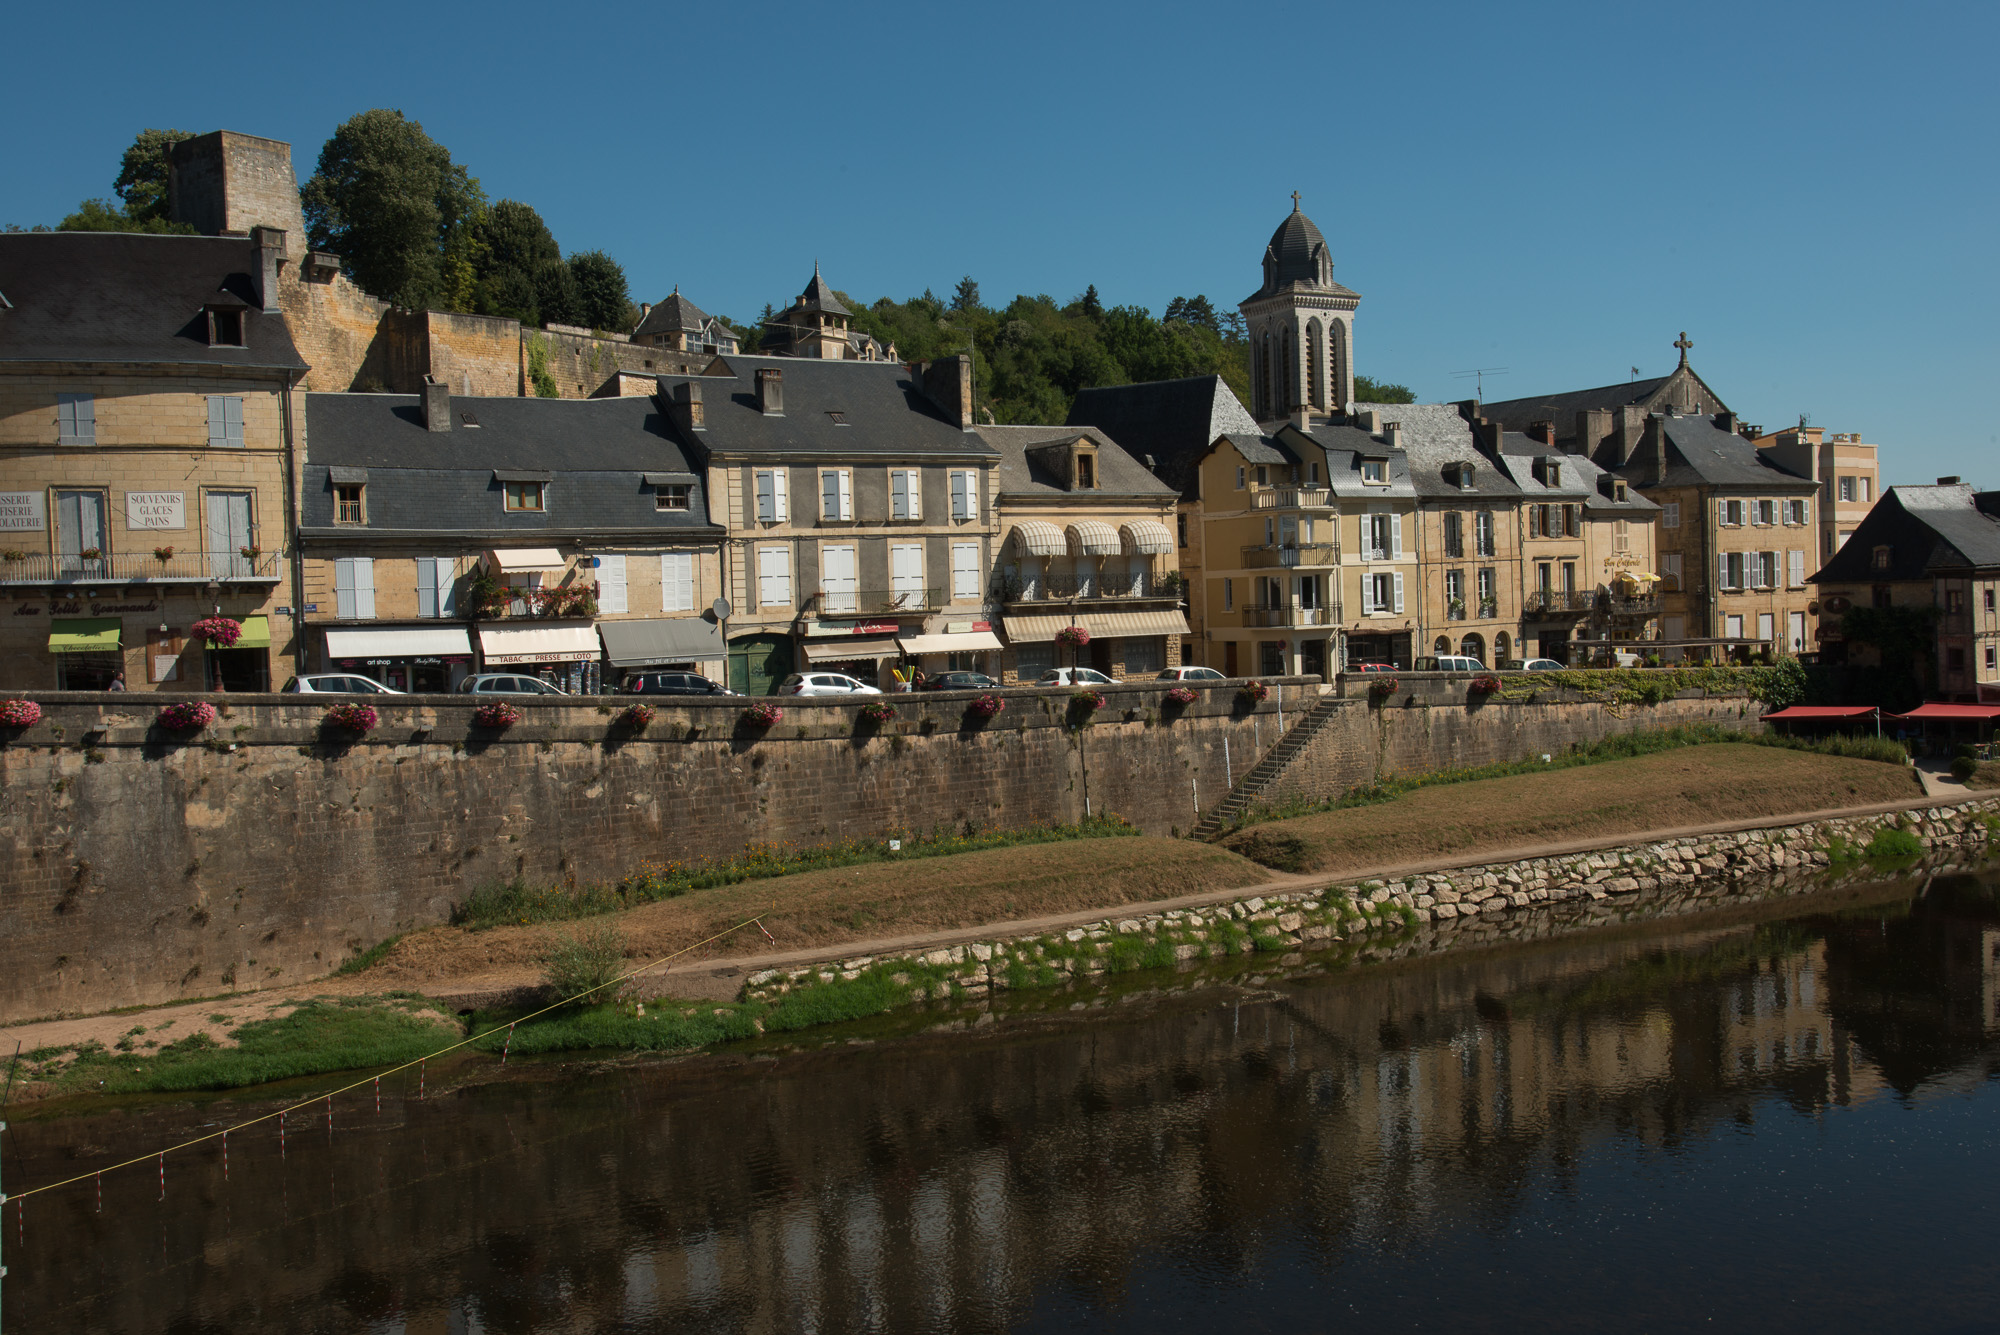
x=1450, y=663
x=1074, y=677
x=1542, y=665
x=1191, y=674
x=673, y=683
x=507, y=683
x=959, y=681
x=1371, y=667
x=823, y=683
x=335, y=683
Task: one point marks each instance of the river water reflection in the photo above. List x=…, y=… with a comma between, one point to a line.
x=1783, y=1120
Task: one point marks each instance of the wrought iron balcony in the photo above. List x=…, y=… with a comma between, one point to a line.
x=135, y=568
x=1291, y=556
x=1281, y=615
x=1097, y=589
x=1557, y=602
x=876, y=602
x=1638, y=605
x=1291, y=498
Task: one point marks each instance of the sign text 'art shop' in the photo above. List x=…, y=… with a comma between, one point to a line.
x=77, y=609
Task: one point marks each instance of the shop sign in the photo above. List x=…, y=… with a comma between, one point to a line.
x=23, y=512
x=156, y=509
x=966, y=627
x=73, y=608
x=878, y=628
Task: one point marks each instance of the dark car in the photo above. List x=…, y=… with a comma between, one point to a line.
x=960, y=681
x=673, y=683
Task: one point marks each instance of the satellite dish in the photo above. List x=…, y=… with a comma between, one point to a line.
x=723, y=611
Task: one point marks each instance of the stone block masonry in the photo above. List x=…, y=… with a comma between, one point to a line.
x=138, y=867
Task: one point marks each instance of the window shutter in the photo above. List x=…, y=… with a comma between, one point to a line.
x=232, y=420
x=677, y=581
x=965, y=570
x=1399, y=591
x=447, y=587
x=1722, y=570
x=427, y=586
x=846, y=494
x=899, y=494
x=916, y=489
x=1396, y=550
x=611, y=584
x=343, y=586
x=767, y=505
x=364, y=587
x=829, y=495
x=781, y=504
x=1797, y=561
x=218, y=434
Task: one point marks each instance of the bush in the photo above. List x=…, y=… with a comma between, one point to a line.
x=585, y=962
x=1963, y=768
x=1892, y=844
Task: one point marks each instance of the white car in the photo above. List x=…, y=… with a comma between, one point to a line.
x=1074, y=677
x=1542, y=665
x=336, y=683
x=1191, y=674
x=823, y=683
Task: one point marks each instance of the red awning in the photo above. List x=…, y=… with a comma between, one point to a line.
x=1932, y=709
x=1822, y=711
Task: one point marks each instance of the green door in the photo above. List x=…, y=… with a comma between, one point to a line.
x=758, y=663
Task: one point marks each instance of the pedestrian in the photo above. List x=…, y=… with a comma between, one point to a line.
x=117, y=682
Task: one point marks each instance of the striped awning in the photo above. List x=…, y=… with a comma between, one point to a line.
x=1146, y=537
x=1092, y=537
x=1101, y=625
x=1035, y=537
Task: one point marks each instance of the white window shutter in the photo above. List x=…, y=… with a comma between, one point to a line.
x=916, y=494
x=217, y=433
x=846, y=494
x=611, y=584
x=232, y=420
x=1399, y=591
x=677, y=581
x=343, y=586
x=364, y=587
x=447, y=587
x=767, y=505
x=1722, y=570
x=427, y=586
x=1396, y=550
x=781, y=502
x=1796, y=560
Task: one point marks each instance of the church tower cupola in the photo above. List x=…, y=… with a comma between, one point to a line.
x=1301, y=326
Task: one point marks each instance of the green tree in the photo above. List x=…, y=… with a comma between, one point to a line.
x=102, y=215
x=602, y=293
x=142, y=174
x=389, y=199
x=965, y=297
x=1194, y=311
x=1379, y=391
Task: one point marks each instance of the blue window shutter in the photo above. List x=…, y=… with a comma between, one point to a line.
x=427, y=593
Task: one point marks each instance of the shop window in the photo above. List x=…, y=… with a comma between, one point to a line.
x=1145, y=654
x=525, y=496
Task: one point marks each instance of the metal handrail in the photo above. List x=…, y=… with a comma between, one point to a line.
x=1264, y=614
x=1291, y=498
x=877, y=602
x=1280, y=555
x=137, y=568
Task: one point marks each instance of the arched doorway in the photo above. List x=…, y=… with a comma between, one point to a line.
x=1442, y=645
x=1502, y=649
x=1473, y=646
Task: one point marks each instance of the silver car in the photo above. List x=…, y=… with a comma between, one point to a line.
x=336, y=683
x=507, y=683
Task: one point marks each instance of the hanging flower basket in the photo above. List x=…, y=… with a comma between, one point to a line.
x=218, y=631
x=1182, y=696
x=250, y=553
x=1085, y=703
x=878, y=711
x=1256, y=692
x=1382, y=687
x=1072, y=637
x=187, y=716
x=163, y=554
x=986, y=706
x=1484, y=685
x=20, y=714
x=350, y=718
x=637, y=717
x=498, y=714
x=761, y=715
x=92, y=554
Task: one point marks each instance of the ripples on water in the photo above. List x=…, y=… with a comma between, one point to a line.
x=1784, y=1124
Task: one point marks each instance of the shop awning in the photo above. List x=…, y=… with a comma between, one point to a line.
x=1821, y=711
x=1035, y=537
x=1101, y=625
x=965, y=642
x=256, y=634
x=1146, y=537
x=502, y=645
x=523, y=560
x=1092, y=537
x=675, y=640
x=1963, y=713
x=400, y=642
x=835, y=649
x=83, y=635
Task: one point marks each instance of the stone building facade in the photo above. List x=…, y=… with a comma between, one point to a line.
x=1301, y=326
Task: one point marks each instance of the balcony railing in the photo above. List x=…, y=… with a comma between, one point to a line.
x=135, y=568
x=1289, y=556
x=876, y=602
x=1097, y=589
x=1291, y=616
x=1557, y=602
x=1291, y=498
x=1641, y=605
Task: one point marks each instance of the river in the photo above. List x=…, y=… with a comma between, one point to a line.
x=1781, y=1118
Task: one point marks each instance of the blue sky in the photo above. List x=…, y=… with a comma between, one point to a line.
x=1809, y=190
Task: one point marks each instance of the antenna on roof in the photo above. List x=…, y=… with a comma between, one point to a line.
x=1479, y=374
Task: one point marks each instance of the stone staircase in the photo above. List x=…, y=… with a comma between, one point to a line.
x=1265, y=771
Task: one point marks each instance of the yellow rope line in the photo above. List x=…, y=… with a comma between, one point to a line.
x=321, y=1098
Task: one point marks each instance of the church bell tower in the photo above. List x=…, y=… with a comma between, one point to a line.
x=1301, y=326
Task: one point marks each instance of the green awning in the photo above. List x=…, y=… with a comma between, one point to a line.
x=256, y=634
x=83, y=635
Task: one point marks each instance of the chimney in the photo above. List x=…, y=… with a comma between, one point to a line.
x=1592, y=426
x=270, y=243
x=1488, y=434
x=1726, y=422
x=1631, y=425
x=1545, y=432
x=1302, y=418
x=1468, y=409
x=682, y=403
x=1392, y=435
x=771, y=391
x=947, y=382
x=1369, y=420
x=437, y=406
x=1951, y=481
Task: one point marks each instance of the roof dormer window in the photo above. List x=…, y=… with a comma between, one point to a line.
x=1619, y=493
x=225, y=326
x=1375, y=471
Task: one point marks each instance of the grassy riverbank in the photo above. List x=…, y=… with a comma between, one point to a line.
x=1679, y=786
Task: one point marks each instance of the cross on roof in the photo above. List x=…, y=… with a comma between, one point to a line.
x=1683, y=343
x=1295, y=206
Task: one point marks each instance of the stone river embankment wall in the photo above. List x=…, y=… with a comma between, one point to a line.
x=138, y=866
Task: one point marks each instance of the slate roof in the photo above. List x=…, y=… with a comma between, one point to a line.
x=1435, y=436
x=1925, y=528
x=121, y=297
x=1175, y=421
x=1563, y=408
x=597, y=452
x=1580, y=478
x=1345, y=447
x=885, y=413
x=675, y=315
x=1699, y=453
x=1119, y=475
x=1294, y=257
x=819, y=297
